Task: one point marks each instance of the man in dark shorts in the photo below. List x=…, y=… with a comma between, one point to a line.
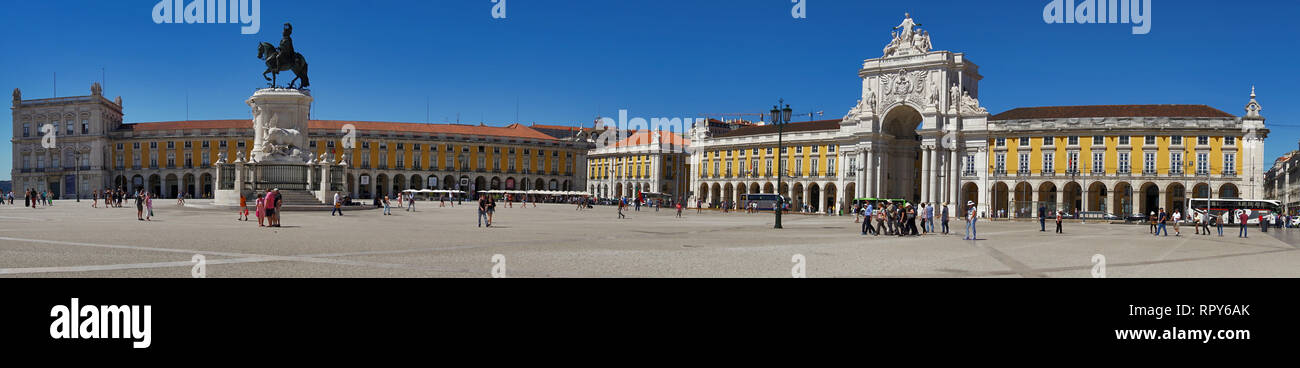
x=269, y=211
x=279, y=201
x=482, y=210
x=491, y=209
x=139, y=206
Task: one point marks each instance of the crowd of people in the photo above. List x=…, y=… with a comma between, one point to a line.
x=900, y=218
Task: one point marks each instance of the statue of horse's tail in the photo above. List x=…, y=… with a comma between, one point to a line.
x=305, y=82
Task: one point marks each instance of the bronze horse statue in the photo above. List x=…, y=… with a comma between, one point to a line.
x=270, y=53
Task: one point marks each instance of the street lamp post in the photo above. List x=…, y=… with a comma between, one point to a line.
x=77, y=182
x=780, y=117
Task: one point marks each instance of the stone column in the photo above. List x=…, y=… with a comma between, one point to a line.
x=869, y=173
x=239, y=177
x=936, y=167
x=925, y=174
x=881, y=182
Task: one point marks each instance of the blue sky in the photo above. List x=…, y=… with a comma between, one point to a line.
x=566, y=61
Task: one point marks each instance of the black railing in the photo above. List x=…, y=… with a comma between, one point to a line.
x=289, y=177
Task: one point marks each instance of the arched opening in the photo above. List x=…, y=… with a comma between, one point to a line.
x=768, y=189
x=1122, y=204
x=1047, y=196
x=190, y=186
x=1000, y=197
x=448, y=182
x=703, y=194
x=381, y=185
x=741, y=191
x=1024, y=201
x=1150, y=199
x=480, y=184
x=715, y=197
x=417, y=182
x=539, y=184
x=137, y=183
x=970, y=193
x=1177, y=197
x=1201, y=191
x=1097, y=195
x=903, y=179
x=850, y=193
x=399, y=184
x=814, y=198
x=1073, y=197
x=119, y=183
x=728, y=195
x=155, y=184
x=205, y=181
x=171, y=187
x=496, y=183
x=1229, y=191
x=797, y=198
x=831, y=199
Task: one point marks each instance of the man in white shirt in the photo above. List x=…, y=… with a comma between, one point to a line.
x=338, y=205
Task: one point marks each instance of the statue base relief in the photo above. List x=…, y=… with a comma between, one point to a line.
x=280, y=126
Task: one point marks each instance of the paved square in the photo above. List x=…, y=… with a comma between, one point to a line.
x=73, y=240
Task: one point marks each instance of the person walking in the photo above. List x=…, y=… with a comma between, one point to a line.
x=482, y=210
x=911, y=220
x=260, y=207
x=243, y=208
x=679, y=209
x=1059, y=217
x=410, y=200
x=1218, y=222
x=1042, y=218
x=491, y=209
x=387, y=211
x=148, y=206
x=268, y=208
x=621, y=204
x=1242, y=219
x=1196, y=222
x=139, y=205
x=868, y=214
x=278, y=201
x=1177, y=218
x=1161, y=218
x=971, y=219
x=944, y=218
x=929, y=216
x=1152, y=219
x=1205, y=222
x=338, y=205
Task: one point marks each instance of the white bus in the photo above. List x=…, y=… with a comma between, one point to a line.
x=764, y=202
x=1253, y=208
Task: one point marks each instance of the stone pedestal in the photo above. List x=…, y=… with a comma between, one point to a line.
x=280, y=126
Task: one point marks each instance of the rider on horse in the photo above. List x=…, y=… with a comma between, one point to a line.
x=286, y=53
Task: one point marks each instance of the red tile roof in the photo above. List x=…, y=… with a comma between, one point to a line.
x=644, y=138
x=809, y=126
x=1113, y=111
x=511, y=131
